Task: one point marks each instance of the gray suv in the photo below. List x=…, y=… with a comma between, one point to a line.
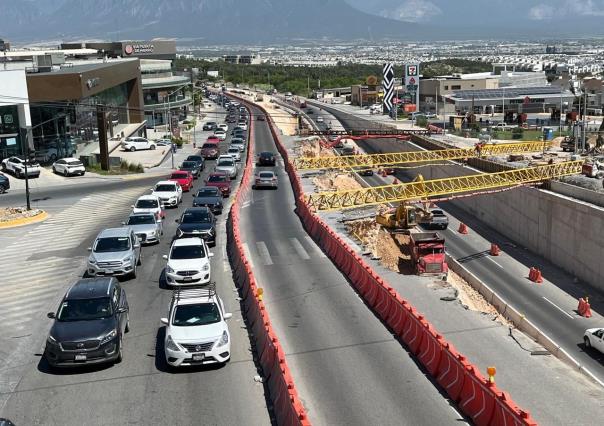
x=146, y=226
x=115, y=252
x=89, y=325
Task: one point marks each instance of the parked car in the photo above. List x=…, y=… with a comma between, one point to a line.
x=136, y=143
x=266, y=158
x=220, y=134
x=184, y=179
x=89, y=324
x=221, y=181
x=594, y=338
x=238, y=143
x=226, y=164
x=115, y=251
x=147, y=227
x=16, y=166
x=191, y=167
x=235, y=152
x=266, y=179
x=188, y=262
x=168, y=192
x=4, y=184
x=210, y=150
x=196, y=329
x=163, y=142
x=209, y=196
x=69, y=167
x=52, y=151
x=197, y=222
x=149, y=204
x=210, y=125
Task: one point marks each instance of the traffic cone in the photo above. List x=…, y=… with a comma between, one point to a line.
x=538, y=277
x=383, y=173
x=494, y=250
x=587, y=308
x=531, y=274
x=581, y=307
x=463, y=229
x=395, y=181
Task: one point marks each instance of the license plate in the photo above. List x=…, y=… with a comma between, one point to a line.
x=80, y=357
x=108, y=272
x=198, y=357
x=187, y=279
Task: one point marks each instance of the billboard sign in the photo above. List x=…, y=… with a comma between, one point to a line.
x=411, y=79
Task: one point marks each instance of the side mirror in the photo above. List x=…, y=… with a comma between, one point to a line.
x=210, y=254
x=158, y=221
x=164, y=321
x=122, y=310
x=131, y=206
x=89, y=249
x=51, y=315
x=165, y=256
x=123, y=223
x=137, y=245
x=177, y=221
x=228, y=316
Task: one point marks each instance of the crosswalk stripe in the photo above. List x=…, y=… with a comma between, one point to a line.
x=25, y=293
x=314, y=247
x=19, y=322
x=39, y=300
x=30, y=307
x=248, y=254
x=264, y=253
x=299, y=249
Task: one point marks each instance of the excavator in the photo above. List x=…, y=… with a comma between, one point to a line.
x=406, y=216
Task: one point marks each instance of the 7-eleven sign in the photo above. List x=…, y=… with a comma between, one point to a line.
x=412, y=70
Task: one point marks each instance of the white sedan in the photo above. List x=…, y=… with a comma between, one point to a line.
x=188, y=262
x=594, y=338
x=220, y=134
x=224, y=127
x=69, y=167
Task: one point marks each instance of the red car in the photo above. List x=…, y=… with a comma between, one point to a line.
x=213, y=139
x=221, y=181
x=185, y=179
x=210, y=151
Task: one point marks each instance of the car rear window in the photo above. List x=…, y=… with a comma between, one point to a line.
x=189, y=164
x=209, y=145
x=147, y=204
x=217, y=178
x=208, y=192
x=266, y=175
x=165, y=188
x=178, y=176
x=75, y=163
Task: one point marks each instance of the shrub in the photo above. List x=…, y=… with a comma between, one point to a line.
x=517, y=132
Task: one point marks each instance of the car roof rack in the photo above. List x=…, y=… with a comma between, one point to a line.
x=194, y=292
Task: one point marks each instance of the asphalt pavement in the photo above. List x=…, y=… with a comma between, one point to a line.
x=141, y=389
x=348, y=369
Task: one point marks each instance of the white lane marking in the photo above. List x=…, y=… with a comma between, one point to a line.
x=248, y=254
x=225, y=259
x=299, y=249
x=491, y=259
x=264, y=253
x=315, y=248
x=558, y=307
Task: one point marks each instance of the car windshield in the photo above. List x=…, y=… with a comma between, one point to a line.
x=195, y=217
x=85, y=309
x=187, y=252
x=217, y=178
x=178, y=176
x=189, y=164
x=146, y=219
x=225, y=162
x=196, y=314
x=112, y=244
x=165, y=188
x=265, y=175
x=147, y=204
x=207, y=192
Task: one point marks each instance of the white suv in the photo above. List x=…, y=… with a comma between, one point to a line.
x=149, y=204
x=135, y=143
x=188, y=262
x=17, y=167
x=168, y=192
x=196, y=328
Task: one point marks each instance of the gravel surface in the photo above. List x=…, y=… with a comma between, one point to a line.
x=12, y=213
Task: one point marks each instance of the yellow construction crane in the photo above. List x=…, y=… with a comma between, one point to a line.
x=377, y=160
x=421, y=190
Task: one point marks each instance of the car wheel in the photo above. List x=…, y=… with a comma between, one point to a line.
x=132, y=149
x=65, y=173
x=133, y=273
x=19, y=174
x=54, y=170
x=140, y=259
x=2, y=189
x=127, y=328
x=587, y=342
x=120, y=355
x=3, y=167
x=152, y=147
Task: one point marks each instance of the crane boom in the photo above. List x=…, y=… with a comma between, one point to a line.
x=422, y=190
x=376, y=160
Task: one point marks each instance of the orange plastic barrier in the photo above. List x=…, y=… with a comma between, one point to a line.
x=463, y=229
x=535, y=275
x=479, y=400
x=495, y=250
x=584, y=308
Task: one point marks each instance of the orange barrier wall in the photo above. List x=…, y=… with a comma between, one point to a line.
x=287, y=407
x=476, y=397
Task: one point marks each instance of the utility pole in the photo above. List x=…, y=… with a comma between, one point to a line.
x=101, y=118
x=25, y=141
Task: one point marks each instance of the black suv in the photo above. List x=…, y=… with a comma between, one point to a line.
x=209, y=196
x=197, y=222
x=89, y=324
x=191, y=166
x=210, y=125
x=4, y=184
x=266, y=159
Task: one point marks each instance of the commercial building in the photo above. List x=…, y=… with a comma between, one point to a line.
x=15, y=117
x=153, y=49
x=242, y=59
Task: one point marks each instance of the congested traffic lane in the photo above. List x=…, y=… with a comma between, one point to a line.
x=347, y=367
x=142, y=389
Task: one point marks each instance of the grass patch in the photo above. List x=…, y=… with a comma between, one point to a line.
x=125, y=168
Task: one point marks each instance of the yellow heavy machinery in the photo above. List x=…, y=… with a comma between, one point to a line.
x=393, y=158
x=405, y=216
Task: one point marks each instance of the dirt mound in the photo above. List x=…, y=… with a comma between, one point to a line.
x=336, y=181
x=312, y=148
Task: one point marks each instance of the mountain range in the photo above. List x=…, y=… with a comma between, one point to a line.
x=278, y=21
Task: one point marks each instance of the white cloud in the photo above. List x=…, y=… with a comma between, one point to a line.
x=541, y=12
x=586, y=7
x=413, y=11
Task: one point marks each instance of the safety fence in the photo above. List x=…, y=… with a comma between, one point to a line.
x=286, y=405
x=478, y=398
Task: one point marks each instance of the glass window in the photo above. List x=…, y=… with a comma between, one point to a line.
x=196, y=314
x=187, y=252
x=146, y=204
x=147, y=219
x=85, y=309
x=112, y=244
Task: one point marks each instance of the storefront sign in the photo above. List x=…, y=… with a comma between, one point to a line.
x=133, y=49
x=411, y=79
x=93, y=82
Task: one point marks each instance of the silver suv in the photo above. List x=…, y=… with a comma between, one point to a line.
x=115, y=252
x=147, y=227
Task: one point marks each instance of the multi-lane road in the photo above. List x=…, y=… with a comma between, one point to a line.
x=39, y=262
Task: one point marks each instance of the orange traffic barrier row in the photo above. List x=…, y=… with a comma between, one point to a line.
x=535, y=275
x=476, y=396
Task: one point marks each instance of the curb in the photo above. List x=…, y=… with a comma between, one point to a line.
x=24, y=221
